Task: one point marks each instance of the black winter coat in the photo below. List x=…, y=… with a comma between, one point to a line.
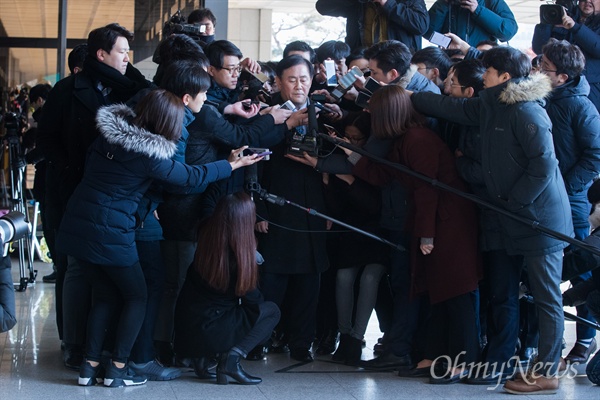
x=520, y=167
x=407, y=20
x=100, y=220
x=207, y=321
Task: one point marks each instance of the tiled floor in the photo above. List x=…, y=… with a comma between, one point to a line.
x=31, y=368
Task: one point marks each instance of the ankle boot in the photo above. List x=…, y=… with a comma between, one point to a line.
x=229, y=366
x=353, y=351
x=340, y=354
x=202, y=367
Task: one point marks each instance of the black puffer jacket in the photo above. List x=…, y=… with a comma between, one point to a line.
x=99, y=223
x=520, y=168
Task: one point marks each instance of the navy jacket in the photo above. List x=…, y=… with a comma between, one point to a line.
x=100, y=220
x=587, y=37
x=576, y=135
x=492, y=20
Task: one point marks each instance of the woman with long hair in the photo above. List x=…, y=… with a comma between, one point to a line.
x=443, y=229
x=98, y=228
x=220, y=310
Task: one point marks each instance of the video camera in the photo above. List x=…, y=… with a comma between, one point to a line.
x=552, y=14
x=176, y=24
x=13, y=226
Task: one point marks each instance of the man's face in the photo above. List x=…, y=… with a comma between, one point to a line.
x=548, y=68
x=196, y=103
x=492, y=77
x=210, y=27
x=118, y=58
x=295, y=84
x=340, y=66
x=378, y=74
x=589, y=7
x=226, y=76
x=425, y=70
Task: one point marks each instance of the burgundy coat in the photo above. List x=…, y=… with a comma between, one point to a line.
x=453, y=267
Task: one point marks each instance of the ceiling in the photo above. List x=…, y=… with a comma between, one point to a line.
x=39, y=18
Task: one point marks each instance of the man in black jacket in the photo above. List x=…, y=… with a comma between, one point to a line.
x=65, y=132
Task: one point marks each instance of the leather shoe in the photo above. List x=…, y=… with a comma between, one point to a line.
x=449, y=379
x=424, y=372
x=328, y=343
x=387, y=362
x=301, y=354
x=202, y=367
x=532, y=385
x=73, y=358
x=492, y=378
x=580, y=354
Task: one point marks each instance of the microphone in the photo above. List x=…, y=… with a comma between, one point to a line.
x=251, y=184
x=313, y=126
x=271, y=198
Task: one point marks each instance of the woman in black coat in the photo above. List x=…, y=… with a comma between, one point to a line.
x=99, y=224
x=220, y=310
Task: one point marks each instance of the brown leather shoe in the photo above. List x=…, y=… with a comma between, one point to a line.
x=531, y=385
x=580, y=354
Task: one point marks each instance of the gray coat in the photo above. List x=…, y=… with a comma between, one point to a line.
x=520, y=168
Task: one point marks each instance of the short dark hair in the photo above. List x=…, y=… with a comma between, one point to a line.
x=390, y=54
x=469, y=73
x=333, y=49
x=219, y=49
x=433, y=57
x=292, y=61
x=39, y=91
x=356, y=54
x=160, y=112
x=199, y=15
x=508, y=59
x=299, y=45
x=77, y=56
x=183, y=77
x=180, y=47
x=105, y=38
x=566, y=57
x=489, y=42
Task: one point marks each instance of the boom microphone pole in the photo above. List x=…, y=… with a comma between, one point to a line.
x=535, y=225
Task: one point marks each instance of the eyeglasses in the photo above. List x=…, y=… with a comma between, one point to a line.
x=231, y=70
x=356, y=139
x=548, y=70
x=425, y=68
x=457, y=85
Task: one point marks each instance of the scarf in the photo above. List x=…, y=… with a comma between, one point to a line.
x=123, y=87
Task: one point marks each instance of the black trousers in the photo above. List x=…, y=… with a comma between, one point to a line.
x=302, y=294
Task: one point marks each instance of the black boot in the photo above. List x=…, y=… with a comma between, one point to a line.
x=353, y=351
x=340, y=354
x=328, y=343
x=202, y=367
x=229, y=366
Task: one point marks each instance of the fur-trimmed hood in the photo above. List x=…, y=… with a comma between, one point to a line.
x=114, y=125
x=534, y=88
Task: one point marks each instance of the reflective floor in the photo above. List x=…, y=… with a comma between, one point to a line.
x=31, y=368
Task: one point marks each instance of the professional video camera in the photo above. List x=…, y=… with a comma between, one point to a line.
x=176, y=24
x=13, y=125
x=552, y=13
x=13, y=226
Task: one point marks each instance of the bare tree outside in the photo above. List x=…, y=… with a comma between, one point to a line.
x=312, y=28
